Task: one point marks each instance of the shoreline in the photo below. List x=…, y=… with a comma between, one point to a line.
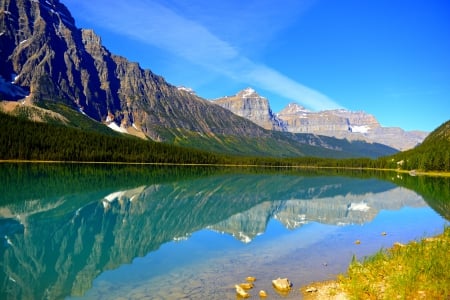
x=410, y=172
x=324, y=290
x=341, y=287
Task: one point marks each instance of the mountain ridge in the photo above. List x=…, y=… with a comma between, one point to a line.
x=338, y=123
x=47, y=59
x=59, y=62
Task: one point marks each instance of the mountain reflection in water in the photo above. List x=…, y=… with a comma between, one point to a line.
x=63, y=226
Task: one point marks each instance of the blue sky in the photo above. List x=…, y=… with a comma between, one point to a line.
x=389, y=58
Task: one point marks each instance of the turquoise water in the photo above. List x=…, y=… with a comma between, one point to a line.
x=140, y=232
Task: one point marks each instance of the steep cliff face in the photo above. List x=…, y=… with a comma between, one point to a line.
x=28, y=28
x=299, y=119
x=349, y=125
x=250, y=105
x=43, y=52
x=340, y=123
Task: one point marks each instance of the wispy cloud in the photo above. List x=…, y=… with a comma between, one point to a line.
x=288, y=88
x=160, y=26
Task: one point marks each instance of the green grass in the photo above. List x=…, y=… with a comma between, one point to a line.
x=419, y=270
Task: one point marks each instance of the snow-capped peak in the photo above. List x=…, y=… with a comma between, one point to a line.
x=248, y=92
x=296, y=108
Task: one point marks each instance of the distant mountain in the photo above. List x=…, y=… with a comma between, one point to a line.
x=351, y=125
x=342, y=124
x=51, y=71
x=250, y=105
x=328, y=122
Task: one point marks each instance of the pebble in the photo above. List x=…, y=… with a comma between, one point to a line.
x=311, y=289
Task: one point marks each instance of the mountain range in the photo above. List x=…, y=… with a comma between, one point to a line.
x=339, y=123
x=54, y=72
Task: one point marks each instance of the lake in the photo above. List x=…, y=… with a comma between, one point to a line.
x=83, y=231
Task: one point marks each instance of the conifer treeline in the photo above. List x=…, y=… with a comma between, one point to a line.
x=25, y=140
x=21, y=139
x=432, y=154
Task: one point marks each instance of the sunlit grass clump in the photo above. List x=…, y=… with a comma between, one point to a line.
x=419, y=270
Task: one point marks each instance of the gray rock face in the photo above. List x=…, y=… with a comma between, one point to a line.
x=326, y=122
x=397, y=137
x=338, y=123
x=349, y=125
x=250, y=105
x=55, y=61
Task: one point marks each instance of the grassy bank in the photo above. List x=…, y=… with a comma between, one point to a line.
x=418, y=270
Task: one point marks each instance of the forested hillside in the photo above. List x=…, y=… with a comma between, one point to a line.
x=25, y=140
x=432, y=154
x=22, y=139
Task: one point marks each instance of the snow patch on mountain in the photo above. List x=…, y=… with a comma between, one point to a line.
x=117, y=128
x=186, y=89
x=362, y=206
x=360, y=129
x=248, y=92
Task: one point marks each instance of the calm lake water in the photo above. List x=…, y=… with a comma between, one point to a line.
x=145, y=232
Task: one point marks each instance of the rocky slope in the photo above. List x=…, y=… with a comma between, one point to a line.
x=42, y=52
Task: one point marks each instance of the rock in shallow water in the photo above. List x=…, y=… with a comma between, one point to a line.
x=282, y=284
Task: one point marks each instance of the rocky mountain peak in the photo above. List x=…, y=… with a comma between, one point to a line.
x=338, y=123
x=90, y=37
x=45, y=53
x=249, y=93
x=293, y=109
x=248, y=104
